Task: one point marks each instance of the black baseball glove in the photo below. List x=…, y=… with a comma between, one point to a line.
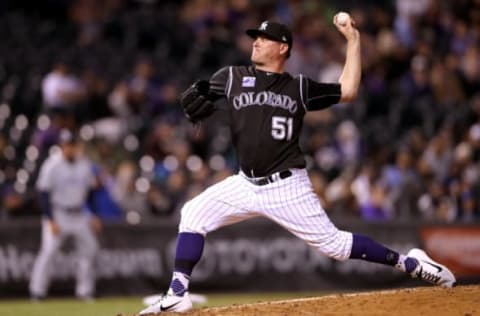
x=195, y=102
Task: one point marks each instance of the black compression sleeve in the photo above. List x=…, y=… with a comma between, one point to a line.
x=45, y=206
x=318, y=96
x=92, y=200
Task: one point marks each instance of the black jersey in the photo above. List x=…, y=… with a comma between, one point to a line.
x=266, y=115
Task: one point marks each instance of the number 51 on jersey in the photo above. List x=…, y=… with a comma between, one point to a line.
x=282, y=127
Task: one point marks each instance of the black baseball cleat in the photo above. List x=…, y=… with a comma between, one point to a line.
x=169, y=303
x=429, y=270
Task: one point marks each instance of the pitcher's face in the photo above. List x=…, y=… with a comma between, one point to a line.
x=265, y=50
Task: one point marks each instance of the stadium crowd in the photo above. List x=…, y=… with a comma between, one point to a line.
x=112, y=70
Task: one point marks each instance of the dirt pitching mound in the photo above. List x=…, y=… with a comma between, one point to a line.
x=436, y=301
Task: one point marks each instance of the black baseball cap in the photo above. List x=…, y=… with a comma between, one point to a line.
x=275, y=31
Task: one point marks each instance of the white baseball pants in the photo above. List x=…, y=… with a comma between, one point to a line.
x=77, y=226
x=290, y=202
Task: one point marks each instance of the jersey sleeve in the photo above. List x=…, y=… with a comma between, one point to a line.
x=219, y=84
x=44, y=181
x=317, y=96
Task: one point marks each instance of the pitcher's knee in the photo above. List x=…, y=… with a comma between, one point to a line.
x=190, y=220
x=337, y=245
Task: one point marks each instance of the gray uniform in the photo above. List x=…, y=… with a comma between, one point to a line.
x=68, y=184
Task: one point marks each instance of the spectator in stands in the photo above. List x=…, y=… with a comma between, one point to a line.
x=348, y=144
x=143, y=88
x=96, y=92
x=107, y=208
x=125, y=192
x=403, y=183
x=435, y=204
x=371, y=194
x=437, y=157
x=62, y=90
x=13, y=201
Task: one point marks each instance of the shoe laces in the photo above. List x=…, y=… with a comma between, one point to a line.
x=428, y=276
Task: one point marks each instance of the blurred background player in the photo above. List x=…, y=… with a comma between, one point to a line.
x=267, y=107
x=66, y=185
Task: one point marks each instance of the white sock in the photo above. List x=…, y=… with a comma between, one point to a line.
x=401, y=263
x=406, y=264
x=179, y=284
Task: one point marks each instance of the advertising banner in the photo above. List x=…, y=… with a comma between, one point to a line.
x=457, y=247
x=256, y=255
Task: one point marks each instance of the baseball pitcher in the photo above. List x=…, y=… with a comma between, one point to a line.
x=267, y=106
x=65, y=183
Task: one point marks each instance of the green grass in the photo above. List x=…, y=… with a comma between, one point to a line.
x=125, y=305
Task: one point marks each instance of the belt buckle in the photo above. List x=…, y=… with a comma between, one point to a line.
x=274, y=177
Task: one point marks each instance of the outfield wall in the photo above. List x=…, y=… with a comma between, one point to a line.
x=256, y=255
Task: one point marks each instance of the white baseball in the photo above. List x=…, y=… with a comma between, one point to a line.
x=343, y=18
